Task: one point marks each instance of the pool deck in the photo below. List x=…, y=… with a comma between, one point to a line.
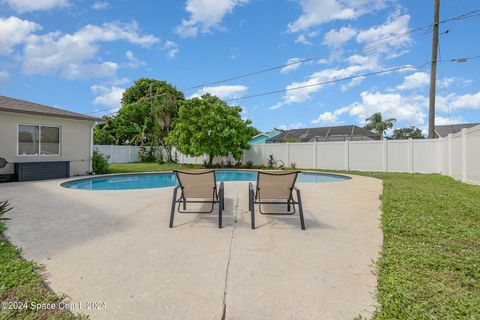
x=115, y=247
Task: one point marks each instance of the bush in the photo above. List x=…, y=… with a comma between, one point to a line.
x=238, y=164
x=219, y=164
x=99, y=163
x=293, y=165
x=229, y=164
x=249, y=164
x=271, y=162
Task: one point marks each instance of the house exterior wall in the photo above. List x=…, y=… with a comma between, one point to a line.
x=75, y=139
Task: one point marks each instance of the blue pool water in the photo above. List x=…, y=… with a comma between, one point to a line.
x=162, y=180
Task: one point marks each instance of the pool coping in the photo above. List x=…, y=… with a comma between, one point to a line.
x=73, y=179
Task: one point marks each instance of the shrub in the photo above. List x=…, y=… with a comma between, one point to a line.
x=219, y=164
x=99, y=163
x=249, y=164
x=271, y=162
x=238, y=164
x=229, y=164
x=293, y=165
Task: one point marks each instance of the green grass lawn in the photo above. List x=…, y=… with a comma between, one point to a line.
x=21, y=285
x=149, y=167
x=430, y=263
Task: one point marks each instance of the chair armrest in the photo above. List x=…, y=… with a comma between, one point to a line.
x=296, y=188
x=176, y=187
x=250, y=186
x=221, y=185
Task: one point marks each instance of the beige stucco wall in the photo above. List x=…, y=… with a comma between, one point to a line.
x=74, y=141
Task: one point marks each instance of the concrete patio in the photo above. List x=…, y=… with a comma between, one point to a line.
x=115, y=247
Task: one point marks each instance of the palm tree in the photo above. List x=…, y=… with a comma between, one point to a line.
x=378, y=125
x=165, y=108
x=140, y=136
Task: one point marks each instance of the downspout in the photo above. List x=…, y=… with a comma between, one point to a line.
x=90, y=169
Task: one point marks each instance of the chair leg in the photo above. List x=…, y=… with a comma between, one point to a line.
x=172, y=213
x=300, y=210
x=288, y=205
x=184, y=203
x=252, y=212
x=220, y=214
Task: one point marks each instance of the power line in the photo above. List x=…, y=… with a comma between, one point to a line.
x=464, y=16
x=465, y=59
x=386, y=41
x=350, y=78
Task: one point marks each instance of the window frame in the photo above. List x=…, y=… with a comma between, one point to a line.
x=40, y=140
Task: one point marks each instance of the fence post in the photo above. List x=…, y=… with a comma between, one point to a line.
x=449, y=154
x=410, y=155
x=264, y=153
x=347, y=155
x=112, y=157
x=288, y=155
x=385, y=155
x=464, y=154
x=315, y=155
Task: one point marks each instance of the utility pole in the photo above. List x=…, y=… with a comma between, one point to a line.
x=433, y=72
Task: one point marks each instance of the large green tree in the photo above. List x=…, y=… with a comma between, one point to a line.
x=208, y=125
x=407, y=133
x=147, y=114
x=377, y=124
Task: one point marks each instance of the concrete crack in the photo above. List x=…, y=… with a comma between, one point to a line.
x=224, y=313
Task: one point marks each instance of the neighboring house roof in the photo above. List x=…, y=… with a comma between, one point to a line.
x=338, y=133
x=261, y=137
x=21, y=106
x=445, y=130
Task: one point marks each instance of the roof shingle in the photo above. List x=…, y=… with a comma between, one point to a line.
x=8, y=104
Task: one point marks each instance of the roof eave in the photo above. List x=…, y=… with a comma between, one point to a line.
x=44, y=114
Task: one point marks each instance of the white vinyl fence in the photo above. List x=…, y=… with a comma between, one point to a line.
x=457, y=155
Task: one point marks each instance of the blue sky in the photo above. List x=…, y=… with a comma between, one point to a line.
x=80, y=55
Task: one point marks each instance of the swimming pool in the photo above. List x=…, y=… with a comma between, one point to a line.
x=168, y=179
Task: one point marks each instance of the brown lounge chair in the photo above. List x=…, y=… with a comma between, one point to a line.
x=275, y=188
x=201, y=186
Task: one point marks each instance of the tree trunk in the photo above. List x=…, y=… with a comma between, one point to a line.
x=142, y=151
x=210, y=160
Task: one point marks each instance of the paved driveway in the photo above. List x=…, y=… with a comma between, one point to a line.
x=115, y=247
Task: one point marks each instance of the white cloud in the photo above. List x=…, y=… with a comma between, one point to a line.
x=392, y=105
x=415, y=80
x=4, y=76
x=296, y=125
x=326, y=117
x=316, y=12
x=298, y=92
x=70, y=53
x=302, y=39
x=382, y=37
x=34, y=5
x=100, y=5
x=172, y=49
x=336, y=39
x=133, y=62
x=440, y=120
x=223, y=92
x=465, y=101
x=74, y=71
x=205, y=15
x=15, y=31
x=107, y=96
x=291, y=65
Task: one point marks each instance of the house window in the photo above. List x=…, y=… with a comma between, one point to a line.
x=34, y=140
